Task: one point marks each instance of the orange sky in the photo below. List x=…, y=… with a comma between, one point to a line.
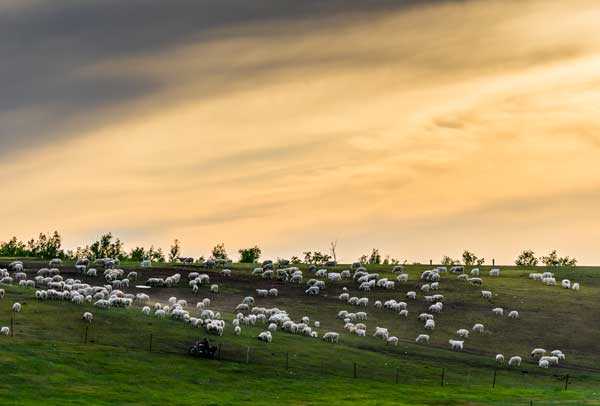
x=422, y=132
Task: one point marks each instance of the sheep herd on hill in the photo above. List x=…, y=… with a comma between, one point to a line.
x=51, y=285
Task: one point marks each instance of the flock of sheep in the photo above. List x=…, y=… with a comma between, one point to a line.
x=51, y=285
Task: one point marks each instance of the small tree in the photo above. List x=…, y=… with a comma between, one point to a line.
x=137, y=254
x=526, y=258
x=447, y=261
x=470, y=259
x=174, y=251
x=333, y=246
x=250, y=255
x=307, y=257
x=295, y=260
x=551, y=259
x=567, y=261
x=218, y=252
x=375, y=257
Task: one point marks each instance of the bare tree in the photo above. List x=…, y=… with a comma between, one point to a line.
x=333, y=245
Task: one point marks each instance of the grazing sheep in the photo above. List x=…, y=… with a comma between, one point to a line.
x=544, y=364
x=486, y=294
x=425, y=316
x=429, y=324
x=381, y=332
x=146, y=310
x=317, y=324
x=513, y=314
x=331, y=337
x=273, y=292
x=16, y=307
x=214, y=288
x=392, y=341
x=475, y=281
x=422, y=339
x=463, y=333
x=4, y=331
x=552, y=360
x=265, y=336
x=575, y=286
x=456, y=345
x=262, y=292
x=160, y=313
x=475, y=272
x=411, y=295
x=498, y=311
x=478, y=328
x=87, y=316
x=565, y=283
x=403, y=313
x=237, y=330
x=538, y=352
x=272, y=327
x=514, y=361
x=500, y=359
x=495, y=272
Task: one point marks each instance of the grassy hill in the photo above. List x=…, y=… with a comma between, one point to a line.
x=46, y=360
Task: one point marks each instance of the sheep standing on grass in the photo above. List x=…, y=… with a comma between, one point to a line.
x=538, y=352
x=87, y=316
x=514, y=361
x=5, y=331
x=500, y=359
x=498, y=311
x=429, y=324
x=456, y=345
x=237, y=330
x=16, y=307
x=462, y=333
x=422, y=339
x=575, y=286
x=486, y=294
x=214, y=288
x=265, y=336
x=478, y=328
x=331, y=337
x=544, y=364
x=513, y=314
x=392, y=341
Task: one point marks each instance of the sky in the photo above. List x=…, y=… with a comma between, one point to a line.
x=421, y=128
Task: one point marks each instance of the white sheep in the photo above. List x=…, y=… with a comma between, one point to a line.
x=16, y=307
x=317, y=324
x=514, y=361
x=237, y=330
x=411, y=295
x=146, y=310
x=500, y=359
x=392, y=341
x=538, y=352
x=5, y=331
x=575, y=286
x=478, y=328
x=381, y=332
x=513, y=314
x=214, y=288
x=565, y=283
x=495, y=272
x=498, y=311
x=87, y=316
x=265, y=336
x=331, y=337
x=486, y=294
x=429, y=324
x=544, y=364
x=160, y=313
x=463, y=333
x=456, y=345
x=422, y=339
x=273, y=292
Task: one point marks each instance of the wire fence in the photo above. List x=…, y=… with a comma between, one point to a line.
x=324, y=365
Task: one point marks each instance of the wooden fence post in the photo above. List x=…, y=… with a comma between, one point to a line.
x=494, y=382
x=287, y=361
x=150, y=345
x=85, y=334
x=443, y=375
x=355, y=369
x=12, y=325
x=219, y=352
x=567, y=382
x=247, y=355
x=397, y=375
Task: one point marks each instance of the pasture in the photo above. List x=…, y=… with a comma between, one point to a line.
x=125, y=356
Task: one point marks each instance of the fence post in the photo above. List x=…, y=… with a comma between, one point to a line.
x=355, y=369
x=322, y=368
x=12, y=325
x=443, y=375
x=287, y=361
x=397, y=374
x=494, y=382
x=85, y=334
x=567, y=382
x=150, y=346
x=219, y=351
x=247, y=355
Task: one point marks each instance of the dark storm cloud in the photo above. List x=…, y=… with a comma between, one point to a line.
x=46, y=45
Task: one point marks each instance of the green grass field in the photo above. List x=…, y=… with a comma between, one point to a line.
x=47, y=361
